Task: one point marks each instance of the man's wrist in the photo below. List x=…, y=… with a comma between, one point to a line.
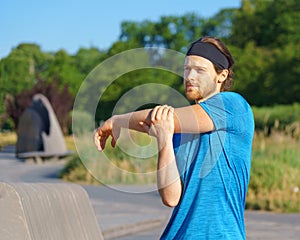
x=164, y=140
x=116, y=121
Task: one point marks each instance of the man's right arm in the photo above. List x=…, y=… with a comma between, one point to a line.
x=190, y=119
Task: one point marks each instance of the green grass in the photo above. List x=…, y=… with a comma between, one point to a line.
x=7, y=138
x=275, y=174
x=114, y=165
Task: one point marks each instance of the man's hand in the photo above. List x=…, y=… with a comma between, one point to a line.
x=162, y=123
x=104, y=131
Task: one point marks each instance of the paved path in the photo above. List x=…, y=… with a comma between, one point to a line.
x=140, y=216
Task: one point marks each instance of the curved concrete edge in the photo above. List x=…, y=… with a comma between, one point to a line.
x=130, y=229
x=46, y=211
x=12, y=218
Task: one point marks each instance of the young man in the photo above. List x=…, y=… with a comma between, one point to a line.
x=205, y=149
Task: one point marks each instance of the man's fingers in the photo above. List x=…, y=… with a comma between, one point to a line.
x=166, y=112
x=170, y=112
x=100, y=139
x=113, y=142
x=97, y=140
x=159, y=113
x=102, y=142
x=153, y=114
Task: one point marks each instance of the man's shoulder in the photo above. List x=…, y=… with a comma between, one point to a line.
x=234, y=100
x=230, y=102
x=232, y=95
x=227, y=98
x=226, y=95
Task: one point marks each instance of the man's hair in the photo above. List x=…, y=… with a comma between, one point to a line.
x=228, y=83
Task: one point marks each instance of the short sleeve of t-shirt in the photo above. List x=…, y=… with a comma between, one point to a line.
x=227, y=108
x=214, y=169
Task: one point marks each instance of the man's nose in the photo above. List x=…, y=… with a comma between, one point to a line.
x=191, y=76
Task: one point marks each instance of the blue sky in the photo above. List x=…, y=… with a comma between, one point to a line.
x=71, y=24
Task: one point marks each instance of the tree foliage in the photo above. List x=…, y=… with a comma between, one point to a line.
x=271, y=23
x=263, y=36
x=60, y=100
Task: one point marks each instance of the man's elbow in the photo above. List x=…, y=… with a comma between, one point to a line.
x=170, y=202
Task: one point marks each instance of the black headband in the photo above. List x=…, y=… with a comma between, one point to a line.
x=210, y=52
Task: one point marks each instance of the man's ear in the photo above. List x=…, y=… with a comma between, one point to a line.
x=223, y=75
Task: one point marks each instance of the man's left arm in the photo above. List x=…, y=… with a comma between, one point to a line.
x=168, y=178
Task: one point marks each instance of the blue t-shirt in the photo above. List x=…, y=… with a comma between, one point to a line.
x=215, y=172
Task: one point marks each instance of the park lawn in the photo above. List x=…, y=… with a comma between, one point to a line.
x=7, y=138
x=274, y=182
x=275, y=174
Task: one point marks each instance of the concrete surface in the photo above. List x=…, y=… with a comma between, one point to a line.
x=48, y=211
x=139, y=216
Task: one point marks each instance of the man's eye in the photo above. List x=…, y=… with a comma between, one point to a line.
x=200, y=70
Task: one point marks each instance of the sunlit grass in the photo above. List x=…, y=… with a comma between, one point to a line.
x=10, y=138
x=70, y=145
x=275, y=174
x=128, y=163
x=7, y=138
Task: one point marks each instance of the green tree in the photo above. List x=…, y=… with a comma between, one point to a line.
x=262, y=35
x=87, y=59
x=270, y=23
x=173, y=32
x=23, y=65
x=20, y=69
x=252, y=79
x=267, y=34
x=221, y=24
x=286, y=74
x=60, y=99
x=64, y=68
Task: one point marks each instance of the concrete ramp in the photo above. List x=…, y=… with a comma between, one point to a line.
x=42, y=211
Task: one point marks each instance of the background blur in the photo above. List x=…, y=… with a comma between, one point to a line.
x=51, y=47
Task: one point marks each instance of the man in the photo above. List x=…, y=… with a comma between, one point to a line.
x=205, y=149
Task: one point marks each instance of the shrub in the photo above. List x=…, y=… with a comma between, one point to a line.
x=280, y=117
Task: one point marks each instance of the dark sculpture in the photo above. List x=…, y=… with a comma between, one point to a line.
x=39, y=133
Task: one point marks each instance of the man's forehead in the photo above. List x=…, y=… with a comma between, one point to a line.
x=198, y=61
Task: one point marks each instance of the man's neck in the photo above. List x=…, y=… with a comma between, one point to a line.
x=207, y=97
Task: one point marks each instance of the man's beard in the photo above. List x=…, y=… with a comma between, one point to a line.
x=197, y=94
x=193, y=94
